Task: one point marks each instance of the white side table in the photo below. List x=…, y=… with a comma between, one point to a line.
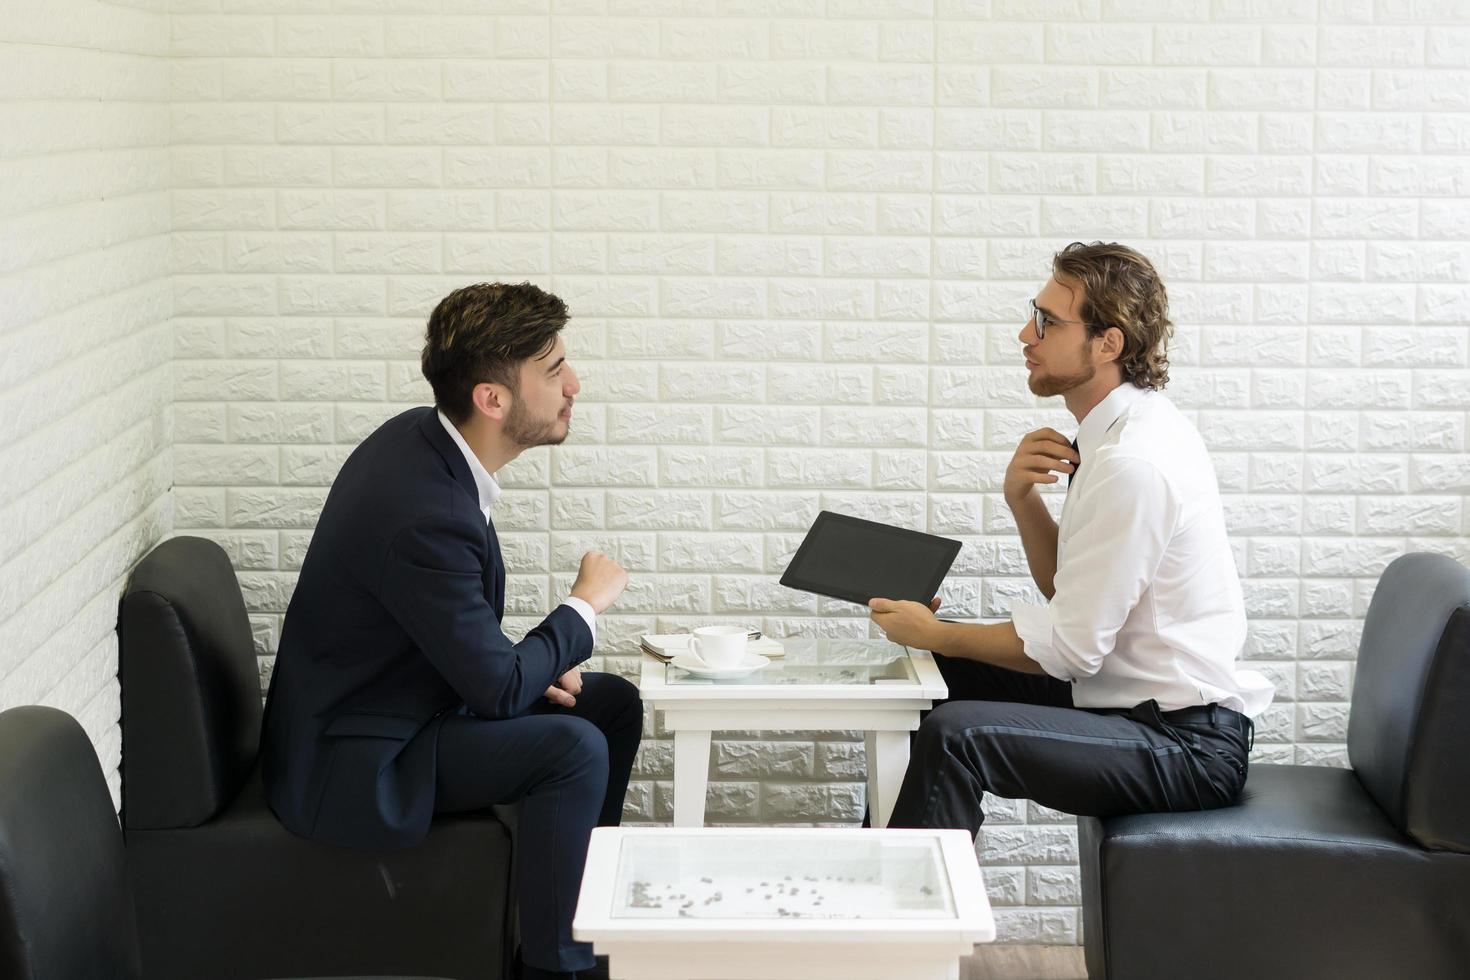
x=821, y=684
x=782, y=903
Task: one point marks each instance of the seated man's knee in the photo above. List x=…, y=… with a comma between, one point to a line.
x=943, y=721
x=620, y=694
x=627, y=694
x=582, y=744
x=612, y=687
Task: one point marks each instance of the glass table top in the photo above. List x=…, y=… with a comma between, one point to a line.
x=820, y=660
x=755, y=877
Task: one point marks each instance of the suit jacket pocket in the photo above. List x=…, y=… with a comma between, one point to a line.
x=378, y=791
x=399, y=727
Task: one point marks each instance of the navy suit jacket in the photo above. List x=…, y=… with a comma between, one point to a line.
x=395, y=623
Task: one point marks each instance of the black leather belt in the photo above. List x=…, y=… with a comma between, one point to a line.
x=1206, y=714
x=1197, y=714
x=1211, y=714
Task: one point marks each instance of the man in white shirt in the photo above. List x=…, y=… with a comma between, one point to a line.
x=1121, y=694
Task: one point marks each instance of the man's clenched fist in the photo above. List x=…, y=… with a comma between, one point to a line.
x=600, y=581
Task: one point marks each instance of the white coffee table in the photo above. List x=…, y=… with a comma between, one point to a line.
x=821, y=684
x=782, y=903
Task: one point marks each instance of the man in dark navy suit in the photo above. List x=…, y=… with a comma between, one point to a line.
x=396, y=695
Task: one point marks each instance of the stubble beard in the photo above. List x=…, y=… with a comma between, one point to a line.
x=1060, y=384
x=1047, y=385
x=527, y=432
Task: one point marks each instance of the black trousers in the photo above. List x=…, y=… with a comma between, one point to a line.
x=1018, y=736
x=568, y=768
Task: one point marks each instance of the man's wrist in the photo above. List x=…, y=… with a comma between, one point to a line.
x=581, y=595
x=1028, y=497
x=939, y=636
x=1018, y=502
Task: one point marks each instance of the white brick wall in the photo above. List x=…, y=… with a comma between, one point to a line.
x=85, y=343
x=797, y=238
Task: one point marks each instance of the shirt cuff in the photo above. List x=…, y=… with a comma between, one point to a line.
x=1033, y=626
x=584, y=609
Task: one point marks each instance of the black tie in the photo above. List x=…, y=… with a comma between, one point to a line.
x=1075, y=468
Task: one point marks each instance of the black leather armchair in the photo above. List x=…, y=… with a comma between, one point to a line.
x=222, y=889
x=1319, y=872
x=66, y=912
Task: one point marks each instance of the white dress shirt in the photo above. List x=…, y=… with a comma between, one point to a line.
x=489, y=493
x=1148, y=602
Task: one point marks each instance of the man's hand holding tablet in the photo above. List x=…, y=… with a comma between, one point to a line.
x=907, y=623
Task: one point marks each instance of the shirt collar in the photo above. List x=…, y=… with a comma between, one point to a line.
x=484, y=482
x=1098, y=421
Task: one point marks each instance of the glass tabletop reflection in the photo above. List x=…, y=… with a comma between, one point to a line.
x=736, y=877
x=819, y=660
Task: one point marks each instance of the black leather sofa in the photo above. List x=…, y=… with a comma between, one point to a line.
x=1320, y=872
x=66, y=912
x=222, y=889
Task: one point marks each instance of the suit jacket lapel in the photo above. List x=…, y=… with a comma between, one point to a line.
x=433, y=430
x=494, y=576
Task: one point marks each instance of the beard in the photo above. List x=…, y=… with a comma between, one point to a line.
x=526, y=431
x=1047, y=385
x=1059, y=384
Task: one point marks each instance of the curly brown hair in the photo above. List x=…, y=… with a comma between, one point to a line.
x=1121, y=288
x=483, y=333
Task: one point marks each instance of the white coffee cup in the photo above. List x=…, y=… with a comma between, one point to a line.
x=720, y=647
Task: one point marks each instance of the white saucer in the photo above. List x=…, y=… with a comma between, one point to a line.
x=689, y=662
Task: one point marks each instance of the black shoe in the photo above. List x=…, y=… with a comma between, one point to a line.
x=529, y=972
x=598, y=971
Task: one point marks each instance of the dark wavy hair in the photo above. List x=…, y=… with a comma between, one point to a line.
x=483, y=333
x=1121, y=288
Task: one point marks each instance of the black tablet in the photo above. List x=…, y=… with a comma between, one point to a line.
x=857, y=560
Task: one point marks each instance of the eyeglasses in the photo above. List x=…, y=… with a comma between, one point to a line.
x=1040, y=318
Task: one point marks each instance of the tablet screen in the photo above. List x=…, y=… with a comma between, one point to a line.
x=850, y=558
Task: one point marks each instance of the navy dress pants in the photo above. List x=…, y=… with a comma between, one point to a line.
x=568, y=768
x=1018, y=736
